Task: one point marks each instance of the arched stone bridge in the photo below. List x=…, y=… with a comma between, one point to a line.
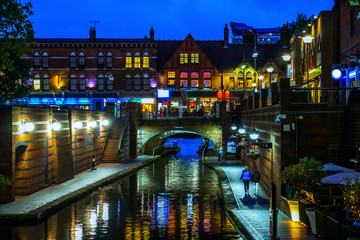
x=153, y=133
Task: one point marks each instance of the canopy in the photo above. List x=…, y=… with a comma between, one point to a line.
x=330, y=167
x=341, y=178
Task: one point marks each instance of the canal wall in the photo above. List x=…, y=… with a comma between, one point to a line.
x=36, y=159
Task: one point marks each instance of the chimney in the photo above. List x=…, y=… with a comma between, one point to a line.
x=152, y=34
x=226, y=36
x=92, y=35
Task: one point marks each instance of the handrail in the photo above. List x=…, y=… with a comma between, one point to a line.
x=123, y=132
x=154, y=149
x=106, y=137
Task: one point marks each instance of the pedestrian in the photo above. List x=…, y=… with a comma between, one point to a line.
x=161, y=112
x=255, y=178
x=220, y=154
x=93, y=163
x=245, y=177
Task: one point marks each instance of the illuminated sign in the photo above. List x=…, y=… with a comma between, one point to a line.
x=148, y=100
x=219, y=94
x=227, y=94
x=163, y=93
x=214, y=99
x=204, y=99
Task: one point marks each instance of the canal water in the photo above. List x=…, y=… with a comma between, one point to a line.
x=176, y=197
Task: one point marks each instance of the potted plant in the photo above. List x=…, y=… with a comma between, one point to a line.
x=253, y=153
x=303, y=181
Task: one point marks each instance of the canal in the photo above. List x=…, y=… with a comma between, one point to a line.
x=176, y=197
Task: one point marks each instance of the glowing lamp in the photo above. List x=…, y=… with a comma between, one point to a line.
x=243, y=66
x=227, y=95
x=336, y=74
x=92, y=124
x=253, y=84
x=307, y=39
x=105, y=122
x=56, y=126
x=78, y=124
x=255, y=54
x=219, y=94
x=29, y=126
x=261, y=77
x=294, y=209
x=241, y=130
x=233, y=127
x=270, y=69
x=286, y=57
x=254, y=135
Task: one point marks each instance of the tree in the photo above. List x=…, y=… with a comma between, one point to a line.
x=299, y=25
x=16, y=33
x=351, y=198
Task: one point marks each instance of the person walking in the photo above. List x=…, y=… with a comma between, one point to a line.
x=255, y=178
x=219, y=153
x=245, y=177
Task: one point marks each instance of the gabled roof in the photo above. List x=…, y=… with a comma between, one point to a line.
x=166, y=49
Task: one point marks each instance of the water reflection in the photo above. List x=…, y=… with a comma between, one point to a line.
x=174, y=198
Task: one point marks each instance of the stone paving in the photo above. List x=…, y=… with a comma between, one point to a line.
x=253, y=210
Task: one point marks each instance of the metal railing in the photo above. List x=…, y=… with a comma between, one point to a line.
x=123, y=133
x=189, y=115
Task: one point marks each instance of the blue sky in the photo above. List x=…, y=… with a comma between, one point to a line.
x=171, y=19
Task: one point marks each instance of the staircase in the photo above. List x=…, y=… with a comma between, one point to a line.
x=110, y=153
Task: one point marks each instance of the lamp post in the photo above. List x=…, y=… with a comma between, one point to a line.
x=286, y=58
x=261, y=77
x=307, y=40
x=254, y=55
x=270, y=70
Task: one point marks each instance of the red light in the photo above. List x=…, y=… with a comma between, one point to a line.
x=192, y=104
x=165, y=103
x=227, y=95
x=219, y=94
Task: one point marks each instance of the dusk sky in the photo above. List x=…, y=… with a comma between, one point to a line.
x=171, y=19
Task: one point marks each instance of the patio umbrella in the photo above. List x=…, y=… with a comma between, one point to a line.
x=341, y=178
x=330, y=167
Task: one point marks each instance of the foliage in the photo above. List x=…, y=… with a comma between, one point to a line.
x=304, y=177
x=253, y=153
x=351, y=198
x=16, y=32
x=299, y=25
x=4, y=182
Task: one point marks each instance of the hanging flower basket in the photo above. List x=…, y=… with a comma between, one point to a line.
x=253, y=154
x=241, y=145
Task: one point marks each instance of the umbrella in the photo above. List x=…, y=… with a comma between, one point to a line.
x=341, y=178
x=330, y=167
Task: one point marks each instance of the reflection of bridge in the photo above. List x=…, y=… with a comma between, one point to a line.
x=153, y=133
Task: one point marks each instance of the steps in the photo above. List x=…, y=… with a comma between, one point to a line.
x=110, y=154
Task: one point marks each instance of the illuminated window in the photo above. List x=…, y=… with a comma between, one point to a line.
x=146, y=60
x=82, y=82
x=128, y=82
x=109, y=59
x=207, y=74
x=171, y=74
x=109, y=81
x=46, y=81
x=100, y=82
x=73, y=83
x=207, y=83
x=183, y=75
x=146, y=82
x=137, y=82
x=194, y=83
x=128, y=63
x=81, y=59
x=194, y=75
x=36, y=62
x=73, y=60
x=240, y=80
x=249, y=79
x=137, y=62
x=232, y=82
x=194, y=58
x=183, y=83
x=45, y=60
x=171, y=82
x=36, y=82
x=183, y=58
x=100, y=59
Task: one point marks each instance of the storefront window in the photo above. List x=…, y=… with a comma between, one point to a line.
x=207, y=83
x=194, y=83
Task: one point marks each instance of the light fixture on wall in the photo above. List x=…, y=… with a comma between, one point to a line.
x=92, y=123
x=104, y=122
x=242, y=130
x=233, y=127
x=54, y=125
x=254, y=134
x=77, y=123
x=26, y=125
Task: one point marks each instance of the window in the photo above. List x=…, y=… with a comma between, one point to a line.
x=100, y=59
x=207, y=74
x=240, y=80
x=137, y=82
x=137, y=62
x=194, y=83
x=81, y=59
x=183, y=75
x=109, y=81
x=194, y=58
x=146, y=60
x=171, y=74
x=45, y=60
x=183, y=83
x=72, y=60
x=183, y=58
x=46, y=82
x=36, y=82
x=109, y=59
x=146, y=82
x=128, y=82
x=82, y=82
x=88, y=140
x=36, y=59
x=194, y=75
x=249, y=78
x=171, y=82
x=73, y=83
x=207, y=83
x=128, y=63
x=232, y=82
x=100, y=82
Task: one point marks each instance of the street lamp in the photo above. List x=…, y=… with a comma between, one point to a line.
x=233, y=127
x=254, y=135
x=261, y=77
x=270, y=69
x=286, y=58
x=241, y=130
x=307, y=40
